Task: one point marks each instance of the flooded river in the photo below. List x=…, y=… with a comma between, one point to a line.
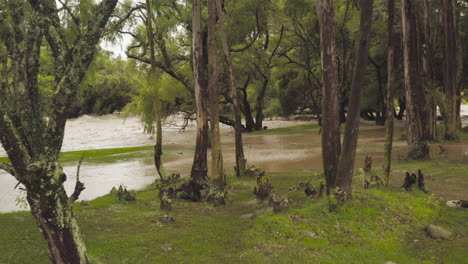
x=274, y=153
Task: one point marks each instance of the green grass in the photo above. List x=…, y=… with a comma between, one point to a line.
x=288, y=130
x=107, y=155
x=378, y=225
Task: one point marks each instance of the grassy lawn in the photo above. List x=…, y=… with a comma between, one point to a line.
x=113, y=155
x=378, y=225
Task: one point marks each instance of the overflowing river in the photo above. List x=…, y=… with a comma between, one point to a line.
x=274, y=153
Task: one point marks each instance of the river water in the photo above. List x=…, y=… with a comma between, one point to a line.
x=274, y=153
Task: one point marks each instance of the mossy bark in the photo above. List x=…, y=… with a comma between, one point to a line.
x=32, y=132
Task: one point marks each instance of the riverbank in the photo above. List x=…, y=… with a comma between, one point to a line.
x=378, y=225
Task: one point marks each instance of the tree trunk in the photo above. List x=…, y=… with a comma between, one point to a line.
x=415, y=97
x=240, y=159
x=450, y=68
x=389, y=124
x=330, y=100
x=348, y=153
x=430, y=126
x=33, y=143
x=217, y=171
x=153, y=82
x=199, y=171
x=54, y=216
x=260, y=105
x=249, y=121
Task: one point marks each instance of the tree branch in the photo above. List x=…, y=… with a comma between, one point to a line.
x=79, y=186
x=8, y=168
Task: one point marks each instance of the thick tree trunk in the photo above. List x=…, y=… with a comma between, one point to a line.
x=330, y=100
x=199, y=171
x=54, y=216
x=348, y=153
x=450, y=68
x=153, y=83
x=217, y=171
x=32, y=143
x=415, y=97
x=240, y=158
x=389, y=124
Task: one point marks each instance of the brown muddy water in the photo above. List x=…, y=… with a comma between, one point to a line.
x=274, y=153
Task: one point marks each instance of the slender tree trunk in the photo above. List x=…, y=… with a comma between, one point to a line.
x=153, y=82
x=217, y=171
x=260, y=105
x=389, y=124
x=199, y=168
x=249, y=120
x=348, y=153
x=330, y=100
x=430, y=125
x=240, y=159
x=450, y=68
x=415, y=97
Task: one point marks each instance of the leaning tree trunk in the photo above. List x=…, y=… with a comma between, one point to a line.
x=240, y=158
x=199, y=168
x=153, y=83
x=217, y=171
x=389, y=124
x=348, y=153
x=330, y=100
x=450, y=69
x=415, y=97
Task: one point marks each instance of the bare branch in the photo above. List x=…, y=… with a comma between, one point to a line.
x=79, y=186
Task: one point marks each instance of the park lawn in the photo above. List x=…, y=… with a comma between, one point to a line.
x=378, y=225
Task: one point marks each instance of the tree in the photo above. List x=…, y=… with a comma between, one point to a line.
x=389, y=124
x=31, y=138
x=240, y=159
x=450, y=69
x=217, y=171
x=153, y=82
x=331, y=146
x=199, y=168
x=348, y=153
x=415, y=97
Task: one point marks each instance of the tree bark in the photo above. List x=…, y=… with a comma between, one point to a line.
x=217, y=171
x=31, y=132
x=199, y=171
x=348, y=153
x=389, y=124
x=153, y=82
x=330, y=93
x=430, y=125
x=450, y=68
x=240, y=158
x=415, y=97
